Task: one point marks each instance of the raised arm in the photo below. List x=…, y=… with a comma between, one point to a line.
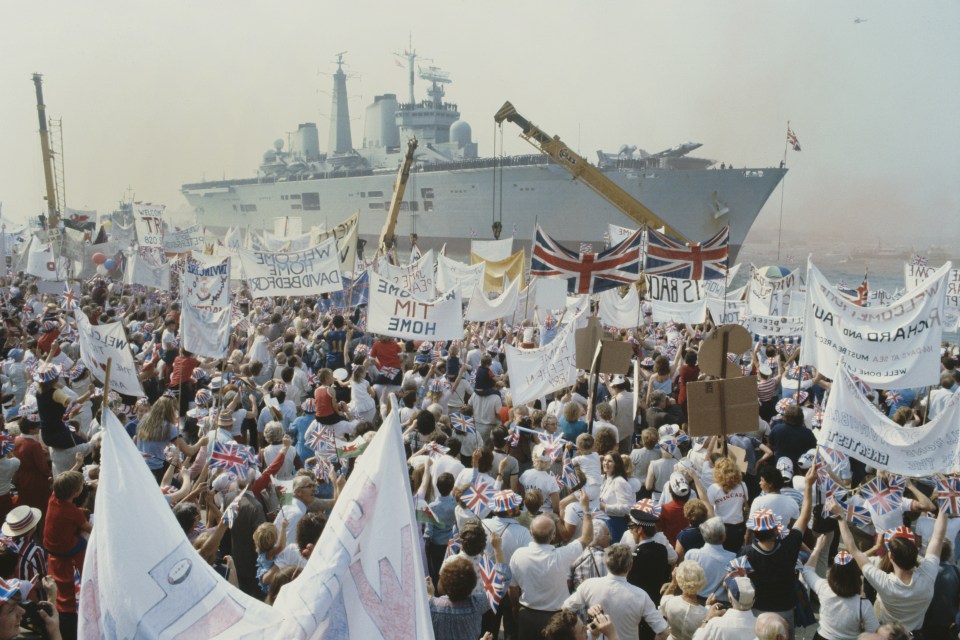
x=807, y=507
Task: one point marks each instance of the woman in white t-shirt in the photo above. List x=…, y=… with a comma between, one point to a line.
x=539, y=477
x=363, y=402
x=844, y=613
x=727, y=499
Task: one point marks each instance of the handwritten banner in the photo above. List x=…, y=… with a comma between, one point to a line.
x=770, y=296
x=183, y=240
x=891, y=347
x=677, y=300
x=394, y=311
x=310, y=272
x=536, y=372
x=914, y=275
x=451, y=273
x=104, y=342
x=778, y=326
x=417, y=278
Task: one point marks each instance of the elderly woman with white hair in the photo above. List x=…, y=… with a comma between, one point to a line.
x=683, y=612
x=273, y=434
x=539, y=477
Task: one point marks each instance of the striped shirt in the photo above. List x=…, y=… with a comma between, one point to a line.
x=767, y=389
x=32, y=563
x=589, y=565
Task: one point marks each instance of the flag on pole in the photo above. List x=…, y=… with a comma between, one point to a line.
x=792, y=139
x=494, y=586
x=477, y=496
x=230, y=513
x=688, y=260
x=229, y=458
x=948, y=495
x=587, y=272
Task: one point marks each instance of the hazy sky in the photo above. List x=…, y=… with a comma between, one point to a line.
x=154, y=95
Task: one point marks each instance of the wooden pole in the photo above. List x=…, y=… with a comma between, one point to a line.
x=106, y=390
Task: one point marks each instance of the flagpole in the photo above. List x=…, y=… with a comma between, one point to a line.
x=783, y=183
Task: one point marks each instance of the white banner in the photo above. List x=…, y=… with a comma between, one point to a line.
x=396, y=312
x=622, y=313
x=677, y=300
x=771, y=296
x=205, y=332
x=777, y=326
x=364, y=579
x=108, y=342
x=148, y=219
x=618, y=234
x=852, y=425
x=233, y=239
x=346, y=235
x=551, y=294
x=480, y=309
x=288, y=226
x=451, y=273
x=727, y=311
x=42, y=263
x=207, y=283
x=526, y=304
x=536, y=372
x=147, y=275
x=914, y=275
x=168, y=590
x=287, y=243
x=492, y=250
x=721, y=288
x=417, y=279
x=300, y=273
x=184, y=240
x=891, y=347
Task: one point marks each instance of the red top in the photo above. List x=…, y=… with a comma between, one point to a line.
x=33, y=476
x=687, y=374
x=183, y=367
x=61, y=532
x=47, y=340
x=323, y=402
x=672, y=520
x=387, y=354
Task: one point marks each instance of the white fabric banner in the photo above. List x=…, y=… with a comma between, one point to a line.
x=168, y=590
x=677, y=300
x=525, y=304
x=236, y=266
x=346, y=235
x=852, y=425
x=205, y=332
x=207, y=283
x=914, y=275
x=104, y=342
x=393, y=311
x=148, y=219
x=364, y=579
x=551, y=294
x=771, y=296
x=480, y=309
x=492, y=250
x=300, y=273
x=777, y=326
x=729, y=312
x=536, y=372
x=287, y=226
x=287, y=243
x=721, y=288
x=233, y=239
x=42, y=263
x=184, y=240
x=618, y=234
x=451, y=273
x=622, y=313
x=891, y=347
x=417, y=279
x=147, y=275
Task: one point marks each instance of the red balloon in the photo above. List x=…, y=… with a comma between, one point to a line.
x=99, y=258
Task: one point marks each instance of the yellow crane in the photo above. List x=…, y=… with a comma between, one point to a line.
x=388, y=235
x=53, y=209
x=582, y=170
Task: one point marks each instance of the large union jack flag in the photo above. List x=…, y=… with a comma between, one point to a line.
x=688, y=260
x=477, y=496
x=587, y=272
x=494, y=586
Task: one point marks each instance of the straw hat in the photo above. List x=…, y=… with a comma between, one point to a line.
x=21, y=520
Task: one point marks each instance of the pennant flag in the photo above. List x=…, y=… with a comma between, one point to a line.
x=477, y=496
x=688, y=260
x=494, y=586
x=948, y=495
x=587, y=272
x=792, y=139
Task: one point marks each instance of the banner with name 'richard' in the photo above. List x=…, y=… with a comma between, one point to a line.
x=854, y=426
x=398, y=313
x=300, y=273
x=890, y=347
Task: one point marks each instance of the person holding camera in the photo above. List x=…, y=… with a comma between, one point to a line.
x=16, y=611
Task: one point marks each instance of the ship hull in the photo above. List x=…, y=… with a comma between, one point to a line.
x=455, y=206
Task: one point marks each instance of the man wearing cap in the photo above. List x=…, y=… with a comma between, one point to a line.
x=538, y=585
x=651, y=566
x=627, y=605
x=621, y=403
x=735, y=623
x=20, y=526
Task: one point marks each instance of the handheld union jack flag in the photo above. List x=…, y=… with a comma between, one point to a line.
x=477, y=496
x=436, y=450
x=856, y=514
x=688, y=260
x=948, y=495
x=552, y=443
x=229, y=458
x=321, y=440
x=881, y=497
x=230, y=513
x=568, y=475
x=587, y=272
x=739, y=566
x=918, y=260
x=6, y=443
x=321, y=468
x=513, y=439
x=453, y=545
x=894, y=398
x=69, y=298
x=833, y=457
x=494, y=586
x=462, y=423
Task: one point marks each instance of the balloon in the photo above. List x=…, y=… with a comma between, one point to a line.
x=99, y=258
x=101, y=270
x=107, y=224
x=109, y=263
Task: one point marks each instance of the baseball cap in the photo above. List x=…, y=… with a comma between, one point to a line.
x=785, y=467
x=741, y=591
x=679, y=485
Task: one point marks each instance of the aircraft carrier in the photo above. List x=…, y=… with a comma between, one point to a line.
x=454, y=195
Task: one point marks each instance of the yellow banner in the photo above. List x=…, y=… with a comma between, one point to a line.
x=511, y=267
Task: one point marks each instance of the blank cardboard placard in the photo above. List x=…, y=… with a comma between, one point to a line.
x=713, y=404
x=551, y=294
x=728, y=338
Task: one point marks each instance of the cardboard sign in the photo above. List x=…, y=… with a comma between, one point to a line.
x=615, y=357
x=718, y=406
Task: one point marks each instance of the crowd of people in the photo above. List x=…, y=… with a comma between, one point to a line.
x=591, y=518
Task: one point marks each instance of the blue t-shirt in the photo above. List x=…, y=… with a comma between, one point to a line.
x=298, y=429
x=152, y=450
x=571, y=430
